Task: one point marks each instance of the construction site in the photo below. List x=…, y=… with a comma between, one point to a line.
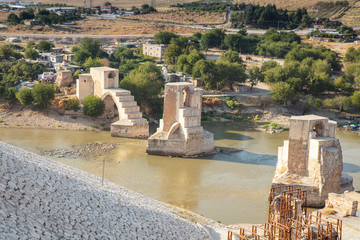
x=289, y=219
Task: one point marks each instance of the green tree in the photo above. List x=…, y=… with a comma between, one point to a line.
x=164, y=37
x=89, y=63
x=197, y=36
x=355, y=99
x=81, y=56
x=93, y=106
x=255, y=76
x=92, y=46
x=282, y=92
x=343, y=102
x=31, y=54
x=352, y=73
x=341, y=85
x=352, y=55
x=145, y=83
x=30, y=44
x=10, y=93
x=230, y=57
x=208, y=40
x=13, y=19
x=208, y=72
x=24, y=96
x=28, y=14
x=2, y=91
x=45, y=46
x=230, y=73
x=43, y=94
x=7, y=52
x=172, y=52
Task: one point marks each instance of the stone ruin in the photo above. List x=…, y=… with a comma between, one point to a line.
x=180, y=132
x=103, y=82
x=64, y=78
x=311, y=160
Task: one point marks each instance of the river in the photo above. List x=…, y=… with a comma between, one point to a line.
x=228, y=188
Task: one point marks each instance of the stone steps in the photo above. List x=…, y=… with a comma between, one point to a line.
x=134, y=115
x=131, y=109
x=125, y=98
x=128, y=104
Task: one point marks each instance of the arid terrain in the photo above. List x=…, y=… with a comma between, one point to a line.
x=176, y=15
x=102, y=27
x=290, y=5
x=352, y=16
x=118, y=3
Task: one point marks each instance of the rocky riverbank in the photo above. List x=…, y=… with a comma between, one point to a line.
x=44, y=199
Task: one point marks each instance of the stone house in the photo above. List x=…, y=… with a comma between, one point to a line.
x=155, y=50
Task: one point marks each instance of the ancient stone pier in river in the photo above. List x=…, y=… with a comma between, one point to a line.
x=180, y=132
x=311, y=160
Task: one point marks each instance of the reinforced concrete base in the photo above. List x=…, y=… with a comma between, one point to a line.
x=128, y=129
x=314, y=197
x=159, y=145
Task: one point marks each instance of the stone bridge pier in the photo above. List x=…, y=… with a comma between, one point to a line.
x=103, y=82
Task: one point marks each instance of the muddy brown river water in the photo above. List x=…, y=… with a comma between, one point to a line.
x=229, y=188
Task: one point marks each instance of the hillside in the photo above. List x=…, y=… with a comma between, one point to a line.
x=352, y=16
x=119, y=3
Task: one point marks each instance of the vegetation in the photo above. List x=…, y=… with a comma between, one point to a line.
x=43, y=94
x=73, y=104
x=12, y=72
x=282, y=92
x=126, y=60
x=232, y=103
x=43, y=16
x=31, y=54
x=268, y=16
x=44, y=46
x=145, y=83
x=24, y=96
x=202, y=6
x=145, y=9
x=93, y=106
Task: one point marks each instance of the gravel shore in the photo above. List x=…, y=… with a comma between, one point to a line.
x=44, y=199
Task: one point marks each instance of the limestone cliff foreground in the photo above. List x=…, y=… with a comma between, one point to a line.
x=41, y=198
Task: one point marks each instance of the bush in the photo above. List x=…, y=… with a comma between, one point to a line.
x=232, y=103
x=2, y=91
x=43, y=94
x=282, y=92
x=318, y=103
x=329, y=103
x=93, y=106
x=73, y=104
x=10, y=93
x=24, y=96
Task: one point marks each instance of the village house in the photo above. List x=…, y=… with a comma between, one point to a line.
x=154, y=50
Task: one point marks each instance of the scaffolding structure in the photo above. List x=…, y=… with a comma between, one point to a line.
x=286, y=224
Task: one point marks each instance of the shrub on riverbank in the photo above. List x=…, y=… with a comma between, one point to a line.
x=24, y=96
x=43, y=94
x=73, y=104
x=93, y=106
